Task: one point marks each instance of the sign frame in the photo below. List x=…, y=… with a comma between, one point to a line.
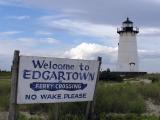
x=55, y=80
x=14, y=86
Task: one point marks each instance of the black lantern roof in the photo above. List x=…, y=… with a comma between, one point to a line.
x=127, y=26
x=127, y=21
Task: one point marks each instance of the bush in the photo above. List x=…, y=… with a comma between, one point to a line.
x=151, y=91
x=73, y=108
x=129, y=117
x=64, y=116
x=120, y=98
x=109, y=76
x=155, y=77
x=71, y=117
x=34, y=108
x=23, y=117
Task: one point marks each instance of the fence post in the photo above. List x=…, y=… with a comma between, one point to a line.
x=91, y=104
x=14, y=81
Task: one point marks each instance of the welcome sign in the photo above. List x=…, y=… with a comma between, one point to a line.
x=51, y=80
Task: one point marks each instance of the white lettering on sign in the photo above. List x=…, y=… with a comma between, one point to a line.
x=51, y=80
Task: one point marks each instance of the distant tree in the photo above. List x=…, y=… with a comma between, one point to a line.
x=108, y=70
x=109, y=76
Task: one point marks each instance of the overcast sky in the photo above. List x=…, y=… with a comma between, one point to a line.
x=81, y=29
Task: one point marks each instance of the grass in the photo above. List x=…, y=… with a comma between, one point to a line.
x=121, y=98
x=23, y=117
x=127, y=117
x=5, y=75
x=151, y=91
x=4, y=94
x=155, y=77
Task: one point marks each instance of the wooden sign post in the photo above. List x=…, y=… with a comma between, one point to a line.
x=14, y=81
x=56, y=112
x=91, y=104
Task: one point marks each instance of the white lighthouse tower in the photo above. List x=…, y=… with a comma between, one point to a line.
x=127, y=47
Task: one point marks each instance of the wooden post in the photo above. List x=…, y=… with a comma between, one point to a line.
x=56, y=114
x=87, y=110
x=14, y=81
x=91, y=104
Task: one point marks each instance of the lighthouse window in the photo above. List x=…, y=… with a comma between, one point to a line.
x=124, y=25
x=127, y=25
x=130, y=25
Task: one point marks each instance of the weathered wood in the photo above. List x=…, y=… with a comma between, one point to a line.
x=91, y=104
x=56, y=114
x=94, y=96
x=14, y=81
x=87, y=110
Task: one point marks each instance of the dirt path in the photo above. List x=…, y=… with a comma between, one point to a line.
x=3, y=115
x=152, y=108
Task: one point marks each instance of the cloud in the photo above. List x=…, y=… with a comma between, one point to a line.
x=5, y=62
x=30, y=46
x=92, y=51
x=98, y=18
x=91, y=29
x=44, y=33
x=9, y=33
x=24, y=17
x=11, y=2
x=149, y=54
x=153, y=1
x=53, y=17
x=150, y=31
x=27, y=46
x=80, y=27
x=144, y=12
x=149, y=60
x=37, y=42
x=7, y=46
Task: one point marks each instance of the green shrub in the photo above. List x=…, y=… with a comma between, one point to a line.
x=102, y=116
x=51, y=113
x=151, y=91
x=64, y=116
x=71, y=117
x=155, y=77
x=109, y=76
x=120, y=98
x=129, y=117
x=73, y=108
x=4, y=95
x=22, y=117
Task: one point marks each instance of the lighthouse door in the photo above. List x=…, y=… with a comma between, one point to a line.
x=132, y=66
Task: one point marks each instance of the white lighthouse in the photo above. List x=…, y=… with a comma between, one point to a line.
x=127, y=47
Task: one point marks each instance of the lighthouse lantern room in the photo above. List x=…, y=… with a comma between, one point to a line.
x=127, y=47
